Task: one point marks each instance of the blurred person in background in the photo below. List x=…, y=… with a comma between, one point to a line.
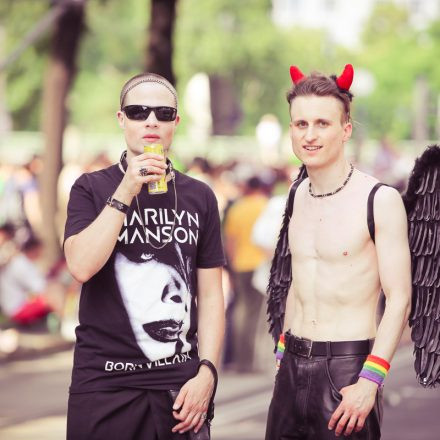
x=98, y=162
x=25, y=294
x=386, y=165
x=244, y=257
x=8, y=248
x=268, y=133
x=201, y=169
x=133, y=252
x=31, y=194
x=339, y=245
x=20, y=198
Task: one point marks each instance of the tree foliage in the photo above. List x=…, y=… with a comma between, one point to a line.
x=238, y=40
x=234, y=39
x=24, y=77
x=396, y=54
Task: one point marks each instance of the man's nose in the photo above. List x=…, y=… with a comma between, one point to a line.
x=310, y=134
x=151, y=120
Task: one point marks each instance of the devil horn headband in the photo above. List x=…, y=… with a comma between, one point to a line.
x=343, y=81
x=296, y=74
x=346, y=78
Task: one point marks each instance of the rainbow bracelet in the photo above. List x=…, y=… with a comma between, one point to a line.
x=375, y=369
x=280, y=351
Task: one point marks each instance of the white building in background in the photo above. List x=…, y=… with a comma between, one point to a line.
x=343, y=20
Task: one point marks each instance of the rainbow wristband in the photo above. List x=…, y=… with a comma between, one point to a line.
x=280, y=351
x=375, y=369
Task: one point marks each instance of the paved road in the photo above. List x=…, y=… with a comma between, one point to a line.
x=34, y=393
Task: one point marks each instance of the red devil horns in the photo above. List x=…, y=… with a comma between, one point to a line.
x=296, y=74
x=344, y=81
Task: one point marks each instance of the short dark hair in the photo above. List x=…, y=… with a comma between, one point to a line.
x=321, y=85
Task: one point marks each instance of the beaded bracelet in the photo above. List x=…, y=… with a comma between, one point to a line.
x=375, y=369
x=280, y=351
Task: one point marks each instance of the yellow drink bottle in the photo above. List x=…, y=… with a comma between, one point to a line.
x=161, y=186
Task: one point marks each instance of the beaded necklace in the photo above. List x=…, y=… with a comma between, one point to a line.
x=318, y=196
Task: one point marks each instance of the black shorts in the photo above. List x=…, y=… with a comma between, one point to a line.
x=307, y=393
x=130, y=414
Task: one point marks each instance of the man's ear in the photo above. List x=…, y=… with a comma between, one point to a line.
x=347, y=131
x=121, y=118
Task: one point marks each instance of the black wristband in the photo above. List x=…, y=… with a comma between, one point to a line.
x=117, y=205
x=211, y=366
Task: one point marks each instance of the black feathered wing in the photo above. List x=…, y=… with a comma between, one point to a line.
x=281, y=269
x=422, y=202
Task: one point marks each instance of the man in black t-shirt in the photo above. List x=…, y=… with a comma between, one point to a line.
x=151, y=310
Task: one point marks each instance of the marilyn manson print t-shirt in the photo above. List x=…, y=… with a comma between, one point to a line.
x=138, y=314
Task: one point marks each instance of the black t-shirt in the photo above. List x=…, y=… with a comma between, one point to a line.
x=138, y=314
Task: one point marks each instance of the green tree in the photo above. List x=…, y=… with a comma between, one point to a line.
x=59, y=76
x=239, y=42
x=24, y=76
x=396, y=54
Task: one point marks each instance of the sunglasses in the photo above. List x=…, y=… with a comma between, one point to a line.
x=141, y=112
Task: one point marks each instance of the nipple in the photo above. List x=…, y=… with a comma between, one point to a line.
x=345, y=253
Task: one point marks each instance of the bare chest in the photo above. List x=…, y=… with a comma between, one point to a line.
x=328, y=230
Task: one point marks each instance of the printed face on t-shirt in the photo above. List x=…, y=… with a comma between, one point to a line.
x=158, y=302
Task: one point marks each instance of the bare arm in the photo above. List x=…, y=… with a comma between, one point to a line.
x=395, y=275
x=394, y=270
x=211, y=314
x=195, y=394
x=87, y=252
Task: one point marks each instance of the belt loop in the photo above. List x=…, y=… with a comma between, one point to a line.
x=328, y=350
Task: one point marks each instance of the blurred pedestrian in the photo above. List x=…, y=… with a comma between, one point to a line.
x=201, y=169
x=268, y=133
x=8, y=247
x=25, y=294
x=244, y=257
x=339, y=245
x=151, y=312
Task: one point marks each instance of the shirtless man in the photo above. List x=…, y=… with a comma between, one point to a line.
x=340, y=262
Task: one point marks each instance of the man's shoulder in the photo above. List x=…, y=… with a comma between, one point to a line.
x=366, y=181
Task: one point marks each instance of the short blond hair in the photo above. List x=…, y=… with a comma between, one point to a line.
x=142, y=78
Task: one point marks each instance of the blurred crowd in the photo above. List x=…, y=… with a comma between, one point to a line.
x=251, y=198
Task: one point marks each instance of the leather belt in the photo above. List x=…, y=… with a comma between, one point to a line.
x=307, y=348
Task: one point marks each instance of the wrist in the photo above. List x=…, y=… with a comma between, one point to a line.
x=368, y=384
x=122, y=195
x=205, y=372
x=207, y=367
x=375, y=369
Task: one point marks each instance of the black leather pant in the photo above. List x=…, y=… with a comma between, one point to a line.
x=307, y=393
